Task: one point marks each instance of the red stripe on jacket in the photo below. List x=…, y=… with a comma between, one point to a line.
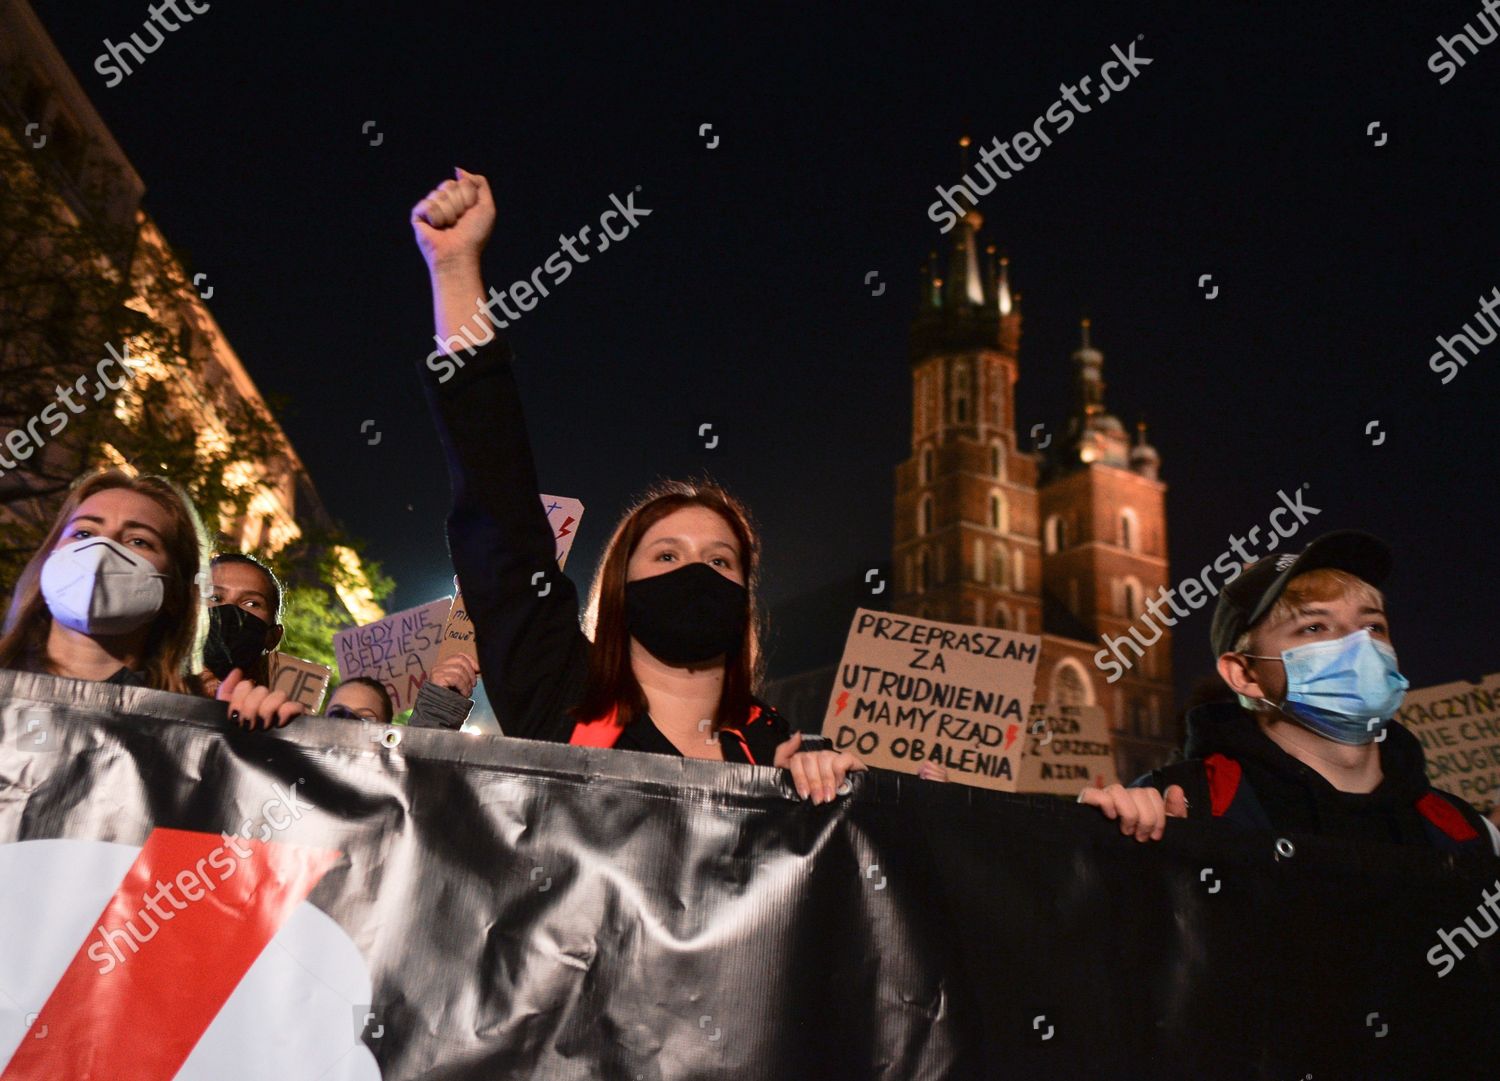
x=605, y=731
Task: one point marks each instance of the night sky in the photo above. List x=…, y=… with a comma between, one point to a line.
x=1241, y=151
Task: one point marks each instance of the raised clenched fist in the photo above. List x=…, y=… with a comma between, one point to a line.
x=453, y=222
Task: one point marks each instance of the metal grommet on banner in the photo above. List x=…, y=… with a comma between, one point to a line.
x=391, y=737
x=1285, y=849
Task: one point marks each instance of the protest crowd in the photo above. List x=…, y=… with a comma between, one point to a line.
x=666, y=656
x=1299, y=736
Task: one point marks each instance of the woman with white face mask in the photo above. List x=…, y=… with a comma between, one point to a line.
x=112, y=596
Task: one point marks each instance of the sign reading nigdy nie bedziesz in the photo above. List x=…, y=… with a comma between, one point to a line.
x=910, y=691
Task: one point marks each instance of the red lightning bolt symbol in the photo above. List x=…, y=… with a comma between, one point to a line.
x=1010, y=735
x=563, y=530
x=843, y=700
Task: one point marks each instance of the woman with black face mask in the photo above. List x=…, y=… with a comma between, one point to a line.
x=243, y=614
x=669, y=654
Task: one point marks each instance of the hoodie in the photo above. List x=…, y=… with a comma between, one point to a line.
x=1235, y=771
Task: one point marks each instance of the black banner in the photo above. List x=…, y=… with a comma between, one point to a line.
x=344, y=902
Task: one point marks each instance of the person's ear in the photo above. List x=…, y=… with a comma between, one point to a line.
x=1239, y=673
x=273, y=639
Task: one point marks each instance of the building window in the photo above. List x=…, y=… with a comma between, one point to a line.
x=1130, y=530
x=1056, y=533
x=999, y=620
x=962, y=378
x=1070, y=685
x=926, y=465
x=998, y=513
x=924, y=516
x=978, y=566
x=924, y=571
x=979, y=611
x=1130, y=597
x=69, y=146
x=999, y=564
x=1018, y=564
x=997, y=460
x=34, y=100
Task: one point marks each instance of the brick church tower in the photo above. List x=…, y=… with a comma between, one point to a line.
x=1068, y=542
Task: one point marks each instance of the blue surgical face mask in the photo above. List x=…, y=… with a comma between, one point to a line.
x=1346, y=690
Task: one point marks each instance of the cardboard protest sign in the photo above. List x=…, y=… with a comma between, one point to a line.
x=1067, y=749
x=912, y=690
x=564, y=514
x=458, y=631
x=398, y=650
x=303, y=681
x=1459, y=726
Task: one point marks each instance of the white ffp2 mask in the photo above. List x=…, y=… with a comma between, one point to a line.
x=99, y=587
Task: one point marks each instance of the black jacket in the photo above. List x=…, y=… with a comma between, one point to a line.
x=532, y=652
x=1235, y=771
x=125, y=677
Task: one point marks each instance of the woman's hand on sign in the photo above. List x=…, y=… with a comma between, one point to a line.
x=931, y=771
x=817, y=775
x=457, y=673
x=1142, y=812
x=253, y=706
x=454, y=220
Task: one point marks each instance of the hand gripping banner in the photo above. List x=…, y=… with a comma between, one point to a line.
x=182, y=899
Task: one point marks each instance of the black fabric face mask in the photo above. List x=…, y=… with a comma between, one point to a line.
x=688, y=615
x=236, y=639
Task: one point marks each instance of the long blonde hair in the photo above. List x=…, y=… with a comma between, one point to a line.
x=174, y=644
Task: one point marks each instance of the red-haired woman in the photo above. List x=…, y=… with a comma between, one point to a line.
x=674, y=657
x=112, y=596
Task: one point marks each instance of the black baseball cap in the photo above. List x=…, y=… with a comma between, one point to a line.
x=1244, y=601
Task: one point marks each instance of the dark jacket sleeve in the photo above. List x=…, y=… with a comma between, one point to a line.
x=533, y=655
x=439, y=707
x=768, y=731
x=1190, y=775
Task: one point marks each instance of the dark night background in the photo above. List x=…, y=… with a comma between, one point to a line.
x=1240, y=152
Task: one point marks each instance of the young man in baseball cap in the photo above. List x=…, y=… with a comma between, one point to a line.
x=1310, y=747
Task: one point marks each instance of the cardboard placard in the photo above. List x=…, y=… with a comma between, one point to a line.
x=303, y=681
x=564, y=514
x=458, y=632
x=910, y=690
x=1068, y=749
x=1459, y=726
x=398, y=650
